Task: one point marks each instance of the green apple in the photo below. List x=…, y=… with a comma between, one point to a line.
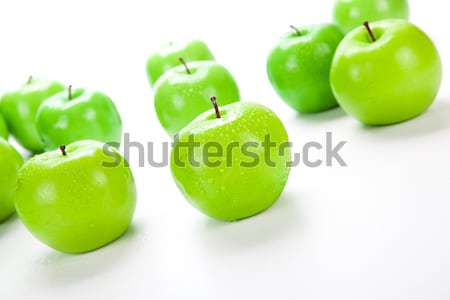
x=387, y=74
x=168, y=57
x=78, y=198
x=72, y=116
x=299, y=67
x=244, y=178
x=4, y=133
x=10, y=162
x=349, y=14
x=184, y=92
x=19, y=110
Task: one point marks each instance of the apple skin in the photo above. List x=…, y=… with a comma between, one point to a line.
x=349, y=14
x=232, y=192
x=299, y=67
x=86, y=115
x=168, y=57
x=19, y=110
x=74, y=203
x=388, y=81
x=180, y=97
x=10, y=162
x=4, y=133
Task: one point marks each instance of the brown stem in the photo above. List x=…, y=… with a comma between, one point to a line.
x=63, y=150
x=296, y=30
x=372, y=36
x=185, y=65
x=70, y=92
x=216, y=107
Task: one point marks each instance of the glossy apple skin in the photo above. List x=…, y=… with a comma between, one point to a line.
x=10, y=162
x=168, y=57
x=4, y=133
x=180, y=97
x=19, y=110
x=299, y=67
x=232, y=192
x=88, y=115
x=349, y=14
x=391, y=80
x=74, y=203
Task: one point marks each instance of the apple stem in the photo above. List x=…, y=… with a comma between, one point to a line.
x=216, y=107
x=30, y=79
x=372, y=36
x=70, y=92
x=63, y=150
x=185, y=65
x=296, y=30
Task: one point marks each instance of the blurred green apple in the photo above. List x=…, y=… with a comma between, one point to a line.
x=184, y=92
x=168, y=57
x=299, y=67
x=349, y=14
x=19, y=110
x=69, y=116
x=4, y=133
x=10, y=162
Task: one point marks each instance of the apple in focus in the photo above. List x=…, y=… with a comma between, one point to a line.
x=77, y=198
x=387, y=72
x=237, y=182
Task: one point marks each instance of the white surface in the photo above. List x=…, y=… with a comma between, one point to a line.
x=377, y=229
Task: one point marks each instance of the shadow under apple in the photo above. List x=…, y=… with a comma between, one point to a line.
x=436, y=119
x=7, y=224
x=330, y=115
x=267, y=227
x=65, y=269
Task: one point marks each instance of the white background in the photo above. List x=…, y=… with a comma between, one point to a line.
x=378, y=229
